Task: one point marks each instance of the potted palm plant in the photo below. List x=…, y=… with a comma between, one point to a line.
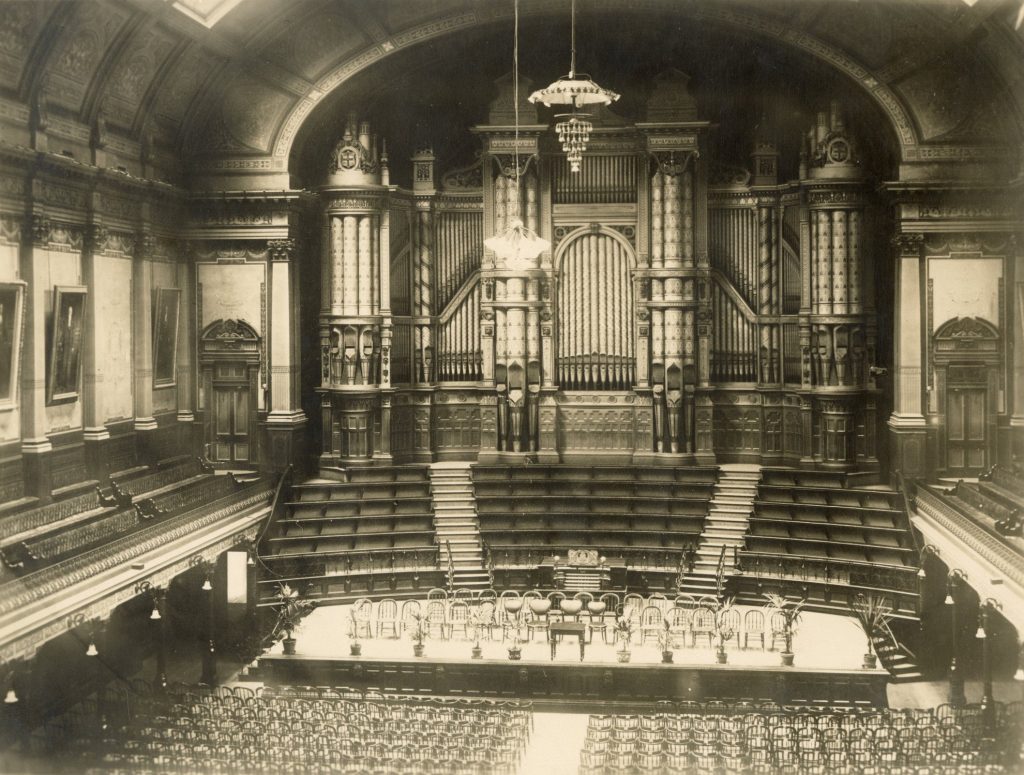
x=418, y=631
x=873, y=614
x=477, y=621
x=789, y=613
x=665, y=642
x=291, y=609
x=355, y=647
x=624, y=634
x=723, y=629
x=514, y=620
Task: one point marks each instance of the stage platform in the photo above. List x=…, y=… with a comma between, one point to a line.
x=828, y=650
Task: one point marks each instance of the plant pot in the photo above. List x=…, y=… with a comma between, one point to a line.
x=787, y=658
x=478, y=653
x=515, y=653
x=355, y=648
x=721, y=657
x=870, y=661
x=666, y=657
x=417, y=649
x=289, y=646
x=623, y=656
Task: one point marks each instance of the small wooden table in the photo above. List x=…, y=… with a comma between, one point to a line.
x=558, y=629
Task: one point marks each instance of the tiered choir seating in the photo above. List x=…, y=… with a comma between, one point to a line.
x=191, y=729
x=812, y=535
x=375, y=522
x=44, y=535
x=765, y=738
x=625, y=512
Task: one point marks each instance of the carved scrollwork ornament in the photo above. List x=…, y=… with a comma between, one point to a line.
x=506, y=163
x=281, y=249
x=97, y=236
x=908, y=243
x=672, y=163
x=40, y=227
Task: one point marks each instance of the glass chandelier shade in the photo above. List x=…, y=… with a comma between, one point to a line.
x=518, y=246
x=575, y=90
x=573, y=133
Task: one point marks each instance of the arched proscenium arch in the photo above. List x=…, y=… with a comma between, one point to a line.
x=902, y=123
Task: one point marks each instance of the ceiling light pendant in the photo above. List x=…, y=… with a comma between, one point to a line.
x=576, y=90
x=518, y=245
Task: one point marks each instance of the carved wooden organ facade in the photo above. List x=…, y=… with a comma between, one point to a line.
x=687, y=310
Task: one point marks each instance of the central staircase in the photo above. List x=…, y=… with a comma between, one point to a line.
x=728, y=517
x=456, y=524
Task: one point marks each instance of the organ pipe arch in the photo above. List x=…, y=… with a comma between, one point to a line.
x=595, y=311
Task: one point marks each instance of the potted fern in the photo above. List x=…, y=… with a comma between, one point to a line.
x=291, y=609
x=477, y=620
x=789, y=613
x=514, y=621
x=723, y=629
x=665, y=642
x=873, y=614
x=624, y=634
x=354, y=646
x=418, y=631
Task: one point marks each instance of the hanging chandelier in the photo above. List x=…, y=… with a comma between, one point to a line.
x=518, y=245
x=575, y=90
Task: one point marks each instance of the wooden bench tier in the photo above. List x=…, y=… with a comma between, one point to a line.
x=971, y=494
x=561, y=473
x=353, y=508
x=688, y=524
x=358, y=525
x=604, y=539
x=794, y=477
x=831, y=515
x=568, y=504
x=592, y=488
x=1007, y=479
x=378, y=474
x=331, y=491
x=1007, y=498
x=833, y=550
x=873, y=499
x=339, y=544
x=803, y=567
x=14, y=527
x=980, y=518
x=136, y=483
x=830, y=533
x=529, y=556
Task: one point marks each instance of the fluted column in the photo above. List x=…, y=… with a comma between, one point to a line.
x=142, y=347
x=35, y=446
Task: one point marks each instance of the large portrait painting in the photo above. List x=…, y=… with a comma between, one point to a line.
x=165, y=335
x=67, y=333
x=12, y=296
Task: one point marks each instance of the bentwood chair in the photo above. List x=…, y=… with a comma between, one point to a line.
x=387, y=617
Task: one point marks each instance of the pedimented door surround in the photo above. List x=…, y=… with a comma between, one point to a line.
x=966, y=353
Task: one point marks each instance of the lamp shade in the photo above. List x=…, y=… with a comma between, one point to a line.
x=155, y=615
x=576, y=90
x=92, y=651
x=948, y=600
x=11, y=697
x=518, y=246
x=980, y=633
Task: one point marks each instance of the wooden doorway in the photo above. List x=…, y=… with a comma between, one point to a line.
x=968, y=368
x=966, y=442
x=230, y=363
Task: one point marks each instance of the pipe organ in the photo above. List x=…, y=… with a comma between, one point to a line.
x=687, y=309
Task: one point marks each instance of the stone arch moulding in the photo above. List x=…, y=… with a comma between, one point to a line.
x=893, y=107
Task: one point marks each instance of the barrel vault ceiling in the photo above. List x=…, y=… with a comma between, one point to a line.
x=155, y=80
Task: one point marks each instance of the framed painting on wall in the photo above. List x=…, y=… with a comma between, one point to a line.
x=12, y=299
x=66, y=337
x=165, y=335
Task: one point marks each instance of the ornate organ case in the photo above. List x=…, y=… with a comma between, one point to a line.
x=686, y=311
